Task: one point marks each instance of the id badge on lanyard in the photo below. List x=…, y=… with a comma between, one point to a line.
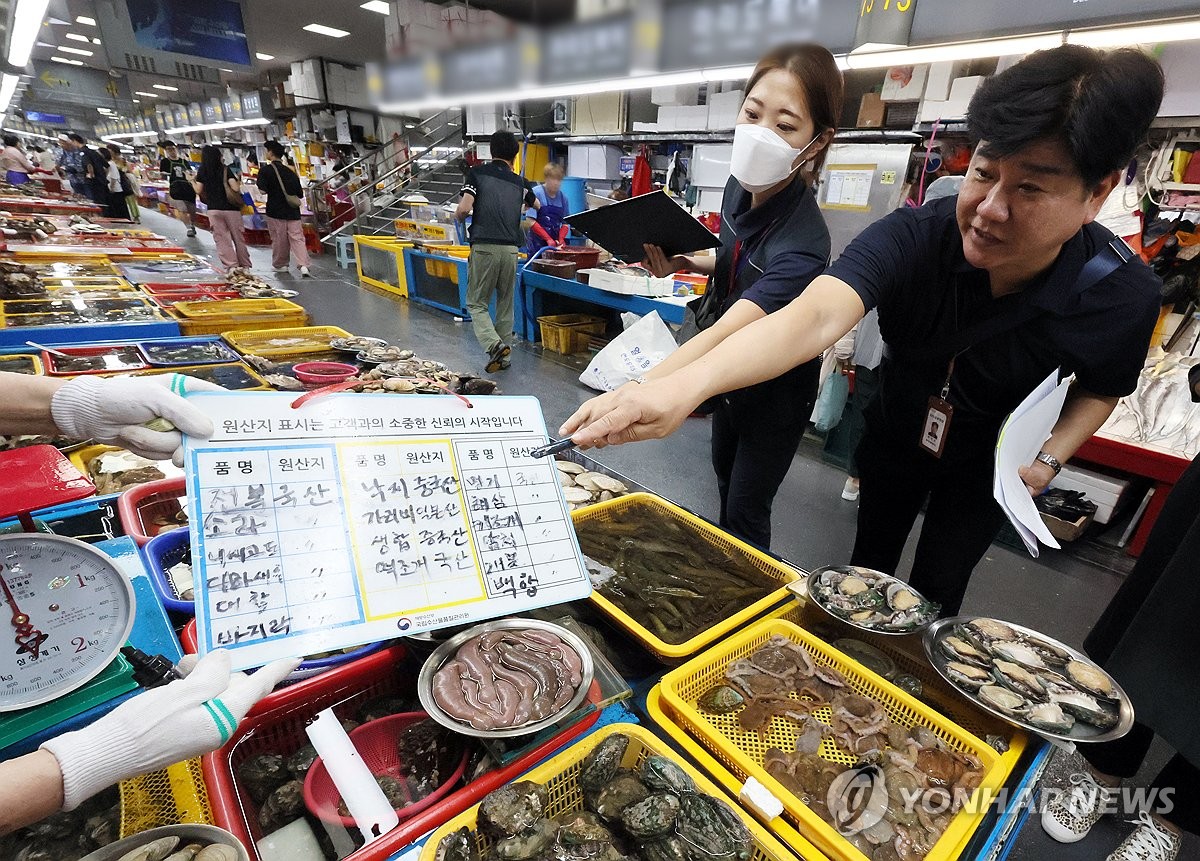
x=936, y=428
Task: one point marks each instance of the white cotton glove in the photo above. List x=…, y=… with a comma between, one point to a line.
x=114, y=411
x=187, y=718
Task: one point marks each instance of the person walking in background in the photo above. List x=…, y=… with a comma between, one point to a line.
x=94, y=171
x=114, y=204
x=221, y=190
x=548, y=227
x=71, y=164
x=177, y=173
x=282, y=187
x=496, y=199
x=16, y=164
x=868, y=353
x=130, y=187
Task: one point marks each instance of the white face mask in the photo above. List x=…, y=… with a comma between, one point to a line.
x=762, y=159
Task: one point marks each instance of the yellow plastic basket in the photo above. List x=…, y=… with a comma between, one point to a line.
x=265, y=342
x=569, y=333
x=742, y=752
x=237, y=315
x=560, y=776
x=936, y=692
x=81, y=457
x=706, y=532
x=171, y=796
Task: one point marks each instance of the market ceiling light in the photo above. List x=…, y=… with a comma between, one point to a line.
x=27, y=20
x=78, y=37
x=1113, y=37
x=166, y=87
x=376, y=6
x=80, y=51
x=84, y=19
x=8, y=86
x=68, y=62
x=144, y=93
x=957, y=51
x=322, y=30
x=265, y=56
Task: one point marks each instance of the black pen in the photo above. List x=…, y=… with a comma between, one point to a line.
x=553, y=448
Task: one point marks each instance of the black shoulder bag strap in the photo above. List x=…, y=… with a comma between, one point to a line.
x=1106, y=261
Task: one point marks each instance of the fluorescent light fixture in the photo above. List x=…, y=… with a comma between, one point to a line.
x=84, y=19
x=95, y=41
x=233, y=124
x=228, y=70
x=166, y=87
x=729, y=73
x=264, y=56
x=322, y=30
x=8, y=86
x=27, y=20
x=957, y=51
x=144, y=93
x=78, y=37
x=376, y=6
x=65, y=60
x=83, y=52
x=1112, y=37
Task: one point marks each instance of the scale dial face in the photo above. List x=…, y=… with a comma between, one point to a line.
x=65, y=611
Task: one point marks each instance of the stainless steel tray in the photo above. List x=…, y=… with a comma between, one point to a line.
x=449, y=649
x=1081, y=732
x=808, y=595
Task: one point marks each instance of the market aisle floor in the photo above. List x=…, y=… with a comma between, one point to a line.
x=813, y=526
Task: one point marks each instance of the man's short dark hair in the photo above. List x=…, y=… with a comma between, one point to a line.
x=275, y=148
x=504, y=145
x=1098, y=104
x=76, y=138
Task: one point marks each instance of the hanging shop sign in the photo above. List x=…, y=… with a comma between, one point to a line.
x=195, y=114
x=231, y=107
x=590, y=50
x=42, y=117
x=475, y=68
x=179, y=116
x=884, y=23
x=709, y=34
x=945, y=21
x=252, y=106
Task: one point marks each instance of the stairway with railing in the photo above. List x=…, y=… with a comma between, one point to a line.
x=367, y=195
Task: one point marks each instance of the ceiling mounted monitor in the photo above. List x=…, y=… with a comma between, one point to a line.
x=176, y=38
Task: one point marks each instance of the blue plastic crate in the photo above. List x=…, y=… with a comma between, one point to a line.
x=162, y=552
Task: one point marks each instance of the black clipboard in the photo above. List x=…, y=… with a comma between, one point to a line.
x=621, y=228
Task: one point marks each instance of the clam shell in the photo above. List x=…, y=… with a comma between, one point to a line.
x=968, y=675
x=607, y=482
x=570, y=467
x=187, y=853
x=566, y=479
x=155, y=850
x=588, y=480
x=577, y=495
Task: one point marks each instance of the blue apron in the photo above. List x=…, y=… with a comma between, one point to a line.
x=550, y=216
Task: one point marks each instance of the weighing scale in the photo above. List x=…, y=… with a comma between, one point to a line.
x=67, y=607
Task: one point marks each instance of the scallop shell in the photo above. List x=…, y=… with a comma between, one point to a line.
x=588, y=481
x=968, y=675
x=607, y=482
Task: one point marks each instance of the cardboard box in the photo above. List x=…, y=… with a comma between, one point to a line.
x=871, y=111
x=1064, y=530
x=904, y=83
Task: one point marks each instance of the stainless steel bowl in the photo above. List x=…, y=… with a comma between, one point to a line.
x=340, y=344
x=854, y=569
x=449, y=649
x=1081, y=732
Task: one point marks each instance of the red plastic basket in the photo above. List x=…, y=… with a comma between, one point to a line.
x=282, y=723
x=139, y=505
x=376, y=744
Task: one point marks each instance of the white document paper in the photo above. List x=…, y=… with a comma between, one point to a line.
x=357, y=518
x=1024, y=433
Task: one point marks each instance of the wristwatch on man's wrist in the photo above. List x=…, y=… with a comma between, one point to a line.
x=1050, y=461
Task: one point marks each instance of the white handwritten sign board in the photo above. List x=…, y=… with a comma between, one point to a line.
x=358, y=518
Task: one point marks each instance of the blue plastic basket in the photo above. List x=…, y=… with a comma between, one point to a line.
x=162, y=552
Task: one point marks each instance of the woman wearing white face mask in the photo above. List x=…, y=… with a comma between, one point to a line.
x=773, y=243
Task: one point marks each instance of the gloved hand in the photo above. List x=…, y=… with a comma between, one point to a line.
x=114, y=411
x=160, y=727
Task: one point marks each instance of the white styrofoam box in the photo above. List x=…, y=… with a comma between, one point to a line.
x=933, y=109
x=680, y=94
x=961, y=92
x=645, y=127
x=710, y=199
x=1102, y=489
x=629, y=285
x=594, y=161
x=939, y=77
x=692, y=118
x=484, y=119
x=709, y=167
x=668, y=118
x=723, y=109
x=904, y=83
